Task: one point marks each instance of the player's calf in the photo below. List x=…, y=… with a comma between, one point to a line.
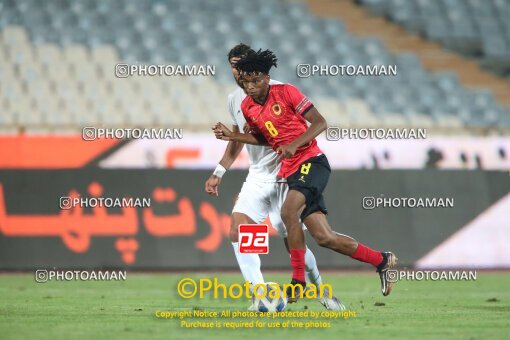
x=337, y=242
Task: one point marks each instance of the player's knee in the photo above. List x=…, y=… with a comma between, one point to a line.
x=234, y=234
x=237, y=219
x=289, y=216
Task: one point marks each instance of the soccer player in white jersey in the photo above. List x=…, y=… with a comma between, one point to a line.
x=261, y=195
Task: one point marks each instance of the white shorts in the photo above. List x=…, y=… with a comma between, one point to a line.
x=258, y=200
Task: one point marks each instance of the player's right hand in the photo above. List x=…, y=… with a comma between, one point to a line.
x=212, y=184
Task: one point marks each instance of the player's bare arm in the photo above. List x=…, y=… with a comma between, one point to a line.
x=223, y=133
x=318, y=125
x=229, y=156
x=232, y=151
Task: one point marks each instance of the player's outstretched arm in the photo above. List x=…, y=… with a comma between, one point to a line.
x=223, y=133
x=318, y=124
x=229, y=156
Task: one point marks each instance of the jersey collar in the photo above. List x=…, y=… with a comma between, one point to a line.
x=265, y=99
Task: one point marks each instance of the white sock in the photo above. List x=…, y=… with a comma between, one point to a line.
x=311, y=270
x=249, y=265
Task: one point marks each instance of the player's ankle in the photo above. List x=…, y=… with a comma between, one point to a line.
x=381, y=265
x=295, y=281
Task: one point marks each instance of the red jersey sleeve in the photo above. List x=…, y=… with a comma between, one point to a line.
x=297, y=100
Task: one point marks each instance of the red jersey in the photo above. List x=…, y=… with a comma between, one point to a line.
x=280, y=120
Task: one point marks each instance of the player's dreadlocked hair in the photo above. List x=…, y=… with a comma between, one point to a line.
x=255, y=62
x=238, y=51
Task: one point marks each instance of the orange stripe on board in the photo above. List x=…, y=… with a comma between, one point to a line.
x=50, y=152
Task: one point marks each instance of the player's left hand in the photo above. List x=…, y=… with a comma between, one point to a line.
x=222, y=132
x=286, y=151
x=212, y=184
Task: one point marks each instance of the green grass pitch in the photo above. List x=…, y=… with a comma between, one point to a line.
x=126, y=310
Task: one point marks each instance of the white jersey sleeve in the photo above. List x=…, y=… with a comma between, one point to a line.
x=231, y=108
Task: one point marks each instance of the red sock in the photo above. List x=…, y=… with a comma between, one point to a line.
x=368, y=255
x=297, y=260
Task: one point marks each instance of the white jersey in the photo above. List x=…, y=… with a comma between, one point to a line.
x=264, y=162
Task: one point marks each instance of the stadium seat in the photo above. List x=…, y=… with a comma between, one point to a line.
x=71, y=48
x=472, y=27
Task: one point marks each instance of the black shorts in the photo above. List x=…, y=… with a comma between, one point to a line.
x=311, y=179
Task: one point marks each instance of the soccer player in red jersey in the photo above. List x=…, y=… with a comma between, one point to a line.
x=278, y=115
